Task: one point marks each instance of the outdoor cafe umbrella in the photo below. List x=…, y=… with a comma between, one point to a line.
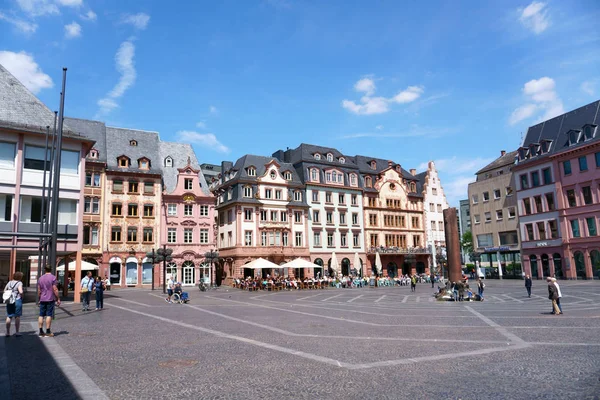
x=261, y=263
x=357, y=264
x=378, y=263
x=85, y=266
x=300, y=263
x=334, y=264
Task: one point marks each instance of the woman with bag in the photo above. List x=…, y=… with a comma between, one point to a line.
x=87, y=285
x=99, y=288
x=14, y=303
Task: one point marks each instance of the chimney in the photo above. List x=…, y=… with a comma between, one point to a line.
x=390, y=163
x=413, y=171
x=502, y=152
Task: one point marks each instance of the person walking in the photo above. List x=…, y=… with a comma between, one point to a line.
x=413, y=283
x=553, y=296
x=170, y=287
x=432, y=277
x=99, y=288
x=559, y=295
x=14, y=305
x=528, y=285
x=480, y=287
x=107, y=283
x=48, y=296
x=87, y=285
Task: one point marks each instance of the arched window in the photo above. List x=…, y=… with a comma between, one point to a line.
x=368, y=181
x=287, y=176
x=133, y=142
x=352, y=179
x=317, y=156
x=342, y=160
x=251, y=171
x=93, y=153
x=168, y=162
x=329, y=157
x=314, y=175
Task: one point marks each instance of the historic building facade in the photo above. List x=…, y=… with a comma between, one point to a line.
x=394, y=217
x=434, y=204
x=187, y=214
x=562, y=156
x=334, y=194
x=131, y=206
x=261, y=212
x=23, y=125
x=494, y=222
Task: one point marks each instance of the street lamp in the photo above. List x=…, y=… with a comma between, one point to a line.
x=211, y=256
x=162, y=254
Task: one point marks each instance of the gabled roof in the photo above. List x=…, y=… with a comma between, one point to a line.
x=19, y=106
x=557, y=128
x=258, y=162
x=500, y=162
x=117, y=143
x=179, y=152
x=94, y=130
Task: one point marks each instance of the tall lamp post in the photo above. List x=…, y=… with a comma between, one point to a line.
x=162, y=254
x=211, y=256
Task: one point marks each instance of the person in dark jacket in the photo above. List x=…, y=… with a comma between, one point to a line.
x=553, y=296
x=528, y=285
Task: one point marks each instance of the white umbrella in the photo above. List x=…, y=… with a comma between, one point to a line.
x=85, y=266
x=334, y=264
x=357, y=264
x=261, y=263
x=378, y=263
x=299, y=263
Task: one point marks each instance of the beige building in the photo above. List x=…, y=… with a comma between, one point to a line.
x=494, y=221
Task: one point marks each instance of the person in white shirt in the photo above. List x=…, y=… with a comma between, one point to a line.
x=170, y=287
x=559, y=294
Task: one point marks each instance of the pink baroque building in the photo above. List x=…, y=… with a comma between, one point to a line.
x=558, y=177
x=187, y=214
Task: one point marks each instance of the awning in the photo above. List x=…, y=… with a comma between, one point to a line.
x=85, y=266
x=300, y=263
x=261, y=263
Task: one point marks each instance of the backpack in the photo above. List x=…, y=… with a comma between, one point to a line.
x=9, y=297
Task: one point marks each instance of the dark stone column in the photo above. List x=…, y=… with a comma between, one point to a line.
x=452, y=245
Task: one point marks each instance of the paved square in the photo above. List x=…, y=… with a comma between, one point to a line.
x=322, y=344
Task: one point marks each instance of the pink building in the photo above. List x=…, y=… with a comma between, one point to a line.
x=187, y=214
x=558, y=189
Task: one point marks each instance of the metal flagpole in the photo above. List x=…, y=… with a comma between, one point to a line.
x=39, y=266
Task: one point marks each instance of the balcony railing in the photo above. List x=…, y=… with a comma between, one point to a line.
x=399, y=250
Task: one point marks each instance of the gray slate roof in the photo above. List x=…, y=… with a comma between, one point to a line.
x=259, y=163
x=502, y=161
x=117, y=144
x=179, y=152
x=557, y=128
x=94, y=130
x=20, y=107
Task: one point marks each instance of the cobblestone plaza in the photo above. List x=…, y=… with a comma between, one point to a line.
x=314, y=344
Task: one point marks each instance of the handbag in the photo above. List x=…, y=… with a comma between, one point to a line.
x=85, y=289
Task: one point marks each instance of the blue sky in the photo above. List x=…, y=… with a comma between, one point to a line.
x=449, y=81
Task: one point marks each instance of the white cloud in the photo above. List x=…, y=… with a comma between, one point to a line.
x=37, y=8
x=379, y=127
x=370, y=105
x=25, y=69
x=139, y=20
x=521, y=113
x=413, y=131
x=408, y=95
x=70, y=3
x=457, y=189
x=206, y=140
x=72, y=30
x=365, y=85
x=89, y=16
x=213, y=110
x=125, y=66
x=201, y=125
x=589, y=87
x=535, y=17
x=541, y=96
x=23, y=26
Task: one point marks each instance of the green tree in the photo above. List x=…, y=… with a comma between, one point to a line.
x=467, y=242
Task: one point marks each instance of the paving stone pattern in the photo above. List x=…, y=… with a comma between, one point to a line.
x=321, y=344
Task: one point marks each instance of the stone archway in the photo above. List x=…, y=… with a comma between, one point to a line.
x=392, y=269
x=317, y=272
x=545, y=265
x=345, y=267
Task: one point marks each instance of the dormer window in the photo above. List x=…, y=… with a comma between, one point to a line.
x=168, y=162
x=251, y=171
x=133, y=143
x=297, y=195
x=123, y=162
x=353, y=180
x=93, y=153
x=573, y=137
x=287, y=176
x=399, y=170
x=368, y=181
x=589, y=132
x=373, y=164
x=413, y=187
x=143, y=163
x=546, y=146
x=342, y=160
x=317, y=156
x=329, y=157
x=314, y=175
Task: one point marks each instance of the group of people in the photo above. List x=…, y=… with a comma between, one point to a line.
x=172, y=288
x=461, y=291
x=91, y=285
